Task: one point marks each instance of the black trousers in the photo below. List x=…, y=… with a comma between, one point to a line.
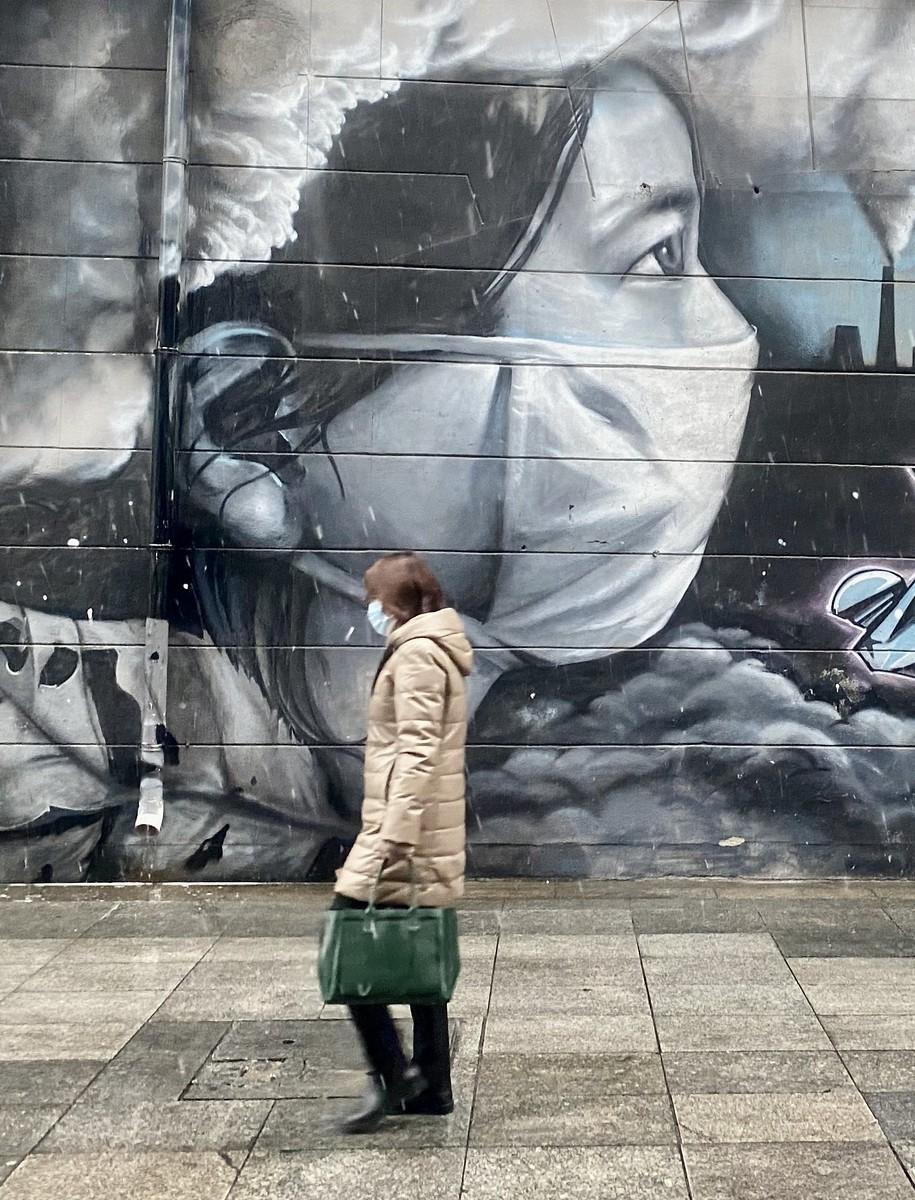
x=381, y=1041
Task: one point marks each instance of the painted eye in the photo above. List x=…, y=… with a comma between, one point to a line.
x=664, y=258
x=669, y=254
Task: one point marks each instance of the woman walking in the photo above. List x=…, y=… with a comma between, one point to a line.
x=412, y=833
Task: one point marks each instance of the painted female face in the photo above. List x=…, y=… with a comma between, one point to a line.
x=620, y=443
x=620, y=249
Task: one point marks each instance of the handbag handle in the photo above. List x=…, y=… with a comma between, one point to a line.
x=414, y=890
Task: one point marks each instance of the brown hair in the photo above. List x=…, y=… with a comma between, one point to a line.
x=405, y=586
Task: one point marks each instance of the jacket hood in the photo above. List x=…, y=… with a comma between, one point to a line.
x=444, y=627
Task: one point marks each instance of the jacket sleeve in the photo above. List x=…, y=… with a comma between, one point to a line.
x=419, y=706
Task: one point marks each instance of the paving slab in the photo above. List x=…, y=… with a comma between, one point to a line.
x=50, y=919
x=478, y=954
x=575, y=1173
x=66, y=1040
x=901, y=913
x=14, y=975
x=214, y=976
x=535, y=1077
x=21, y=1128
x=255, y=919
x=326, y=1045
x=556, y=1033
x=896, y=1113
x=881, y=1070
x=695, y=916
x=822, y=1171
x=906, y=1152
x=760, y=970
x=716, y=999
x=841, y=986
x=567, y=920
x=159, y=1176
x=755, y=1072
x=102, y=950
x=95, y=1125
x=150, y=920
x=584, y=953
x=264, y=950
x=351, y=1175
x=567, y=1120
x=829, y=923
x=157, y=1063
x=888, y=943
x=840, y=1115
x=476, y=921
x=32, y=952
x=720, y=1031
x=853, y=970
x=571, y=1100
x=79, y=1008
x=536, y=995
x=270, y=1080
x=36, y=1083
x=72, y=977
x=709, y=947
x=871, y=1031
x=242, y=1001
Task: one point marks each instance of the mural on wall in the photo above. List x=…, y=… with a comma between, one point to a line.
x=605, y=307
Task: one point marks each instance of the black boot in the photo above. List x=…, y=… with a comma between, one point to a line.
x=370, y=1113
x=382, y=1099
x=432, y=1054
x=430, y=1103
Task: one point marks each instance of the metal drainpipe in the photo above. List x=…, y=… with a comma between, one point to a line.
x=150, y=812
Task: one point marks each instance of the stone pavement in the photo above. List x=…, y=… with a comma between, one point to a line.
x=720, y=1041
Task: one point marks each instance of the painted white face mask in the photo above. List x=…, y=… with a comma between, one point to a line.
x=378, y=618
x=616, y=460
x=633, y=466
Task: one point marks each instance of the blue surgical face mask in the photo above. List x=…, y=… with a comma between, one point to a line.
x=378, y=618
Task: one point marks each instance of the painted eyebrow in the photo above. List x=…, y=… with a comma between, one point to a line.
x=656, y=198
x=662, y=199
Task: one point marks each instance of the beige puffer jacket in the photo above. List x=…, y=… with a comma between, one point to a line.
x=414, y=766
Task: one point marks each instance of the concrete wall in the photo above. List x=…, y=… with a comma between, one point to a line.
x=605, y=306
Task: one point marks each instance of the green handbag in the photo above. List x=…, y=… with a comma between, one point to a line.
x=389, y=955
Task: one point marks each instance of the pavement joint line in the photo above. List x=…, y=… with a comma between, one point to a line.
x=841, y=1057
x=67, y=942
x=670, y=1098
x=479, y=1063
x=248, y=1152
